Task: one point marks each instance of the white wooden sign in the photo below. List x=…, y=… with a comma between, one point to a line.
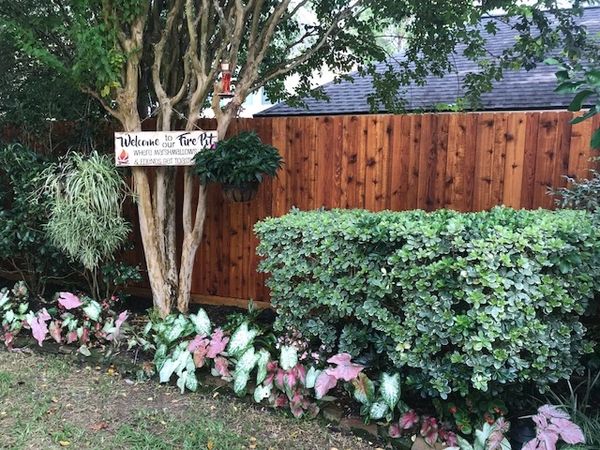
x=161, y=148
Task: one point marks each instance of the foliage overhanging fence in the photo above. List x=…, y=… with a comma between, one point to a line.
x=460, y=161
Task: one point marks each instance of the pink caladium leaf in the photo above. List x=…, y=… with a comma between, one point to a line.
x=345, y=370
x=280, y=401
x=549, y=438
x=222, y=366
x=56, y=331
x=71, y=337
x=324, y=383
x=541, y=421
x=68, y=300
x=534, y=444
x=8, y=340
x=289, y=381
x=200, y=355
x=451, y=439
x=300, y=372
x=217, y=344
x=269, y=379
x=568, y=431
x=38, y=326
x=297, y=405
x=408, y=420
x=551, y=411
x=395, y=431
x=280, y=379
x=497, y=435
x=121, y=319
x=85, y=335
x=197, y=342
x=429, y=430
x=44, y=315
x=114, y=335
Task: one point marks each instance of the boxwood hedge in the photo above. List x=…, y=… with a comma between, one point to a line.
x=459, y=301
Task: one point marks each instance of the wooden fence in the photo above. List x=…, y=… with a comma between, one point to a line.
x=462, y=161
x=466, y=162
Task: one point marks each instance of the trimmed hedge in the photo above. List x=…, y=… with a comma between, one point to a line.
x=459, y=300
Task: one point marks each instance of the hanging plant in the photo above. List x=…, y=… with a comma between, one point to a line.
x=239, y=163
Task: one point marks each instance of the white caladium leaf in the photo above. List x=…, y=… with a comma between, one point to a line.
x=261, y=392
x=177, y=329
x=261, y=362
x=481, y=436
x=9, y=315
x=201, y=322
x=311, y=377
x=84, y=351
x=181, y=381
x=390, y=389
x=247, y=362
x=191, y=381
x=241, y=339
x=240, y=380
x=378, y=410
x=4, y=297
x=167, y=369
x=93, y=310
x=463, y=444
x=288, y=357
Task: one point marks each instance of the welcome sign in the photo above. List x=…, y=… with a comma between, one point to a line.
x=161, y=148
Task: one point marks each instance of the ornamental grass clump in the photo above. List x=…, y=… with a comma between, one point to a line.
x=459, y=302
x=85, y=220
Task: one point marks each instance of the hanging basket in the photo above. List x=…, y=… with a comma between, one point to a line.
x=241, y=193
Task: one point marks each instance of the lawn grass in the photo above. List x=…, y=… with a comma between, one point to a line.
x=49, y=402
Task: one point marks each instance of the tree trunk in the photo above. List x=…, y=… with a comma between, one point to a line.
x=193, y=232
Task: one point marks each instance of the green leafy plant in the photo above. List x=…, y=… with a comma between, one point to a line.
x=85, y=198
x=14, y=309
x=240, y=159
x=24, y=247
x=581, y=76
x=458, y=302
x=580, y=194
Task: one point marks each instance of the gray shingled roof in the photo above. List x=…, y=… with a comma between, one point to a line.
x=518, y=90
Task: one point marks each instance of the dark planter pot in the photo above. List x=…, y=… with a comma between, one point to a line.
x=240, y=193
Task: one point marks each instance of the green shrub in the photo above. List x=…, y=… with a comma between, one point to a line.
x=580, y=194
x=459, y=301
x=24, y=248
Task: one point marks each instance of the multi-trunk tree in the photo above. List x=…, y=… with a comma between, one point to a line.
x=163, y=58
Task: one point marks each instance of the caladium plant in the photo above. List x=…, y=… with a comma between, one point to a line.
x=82, y=319
x=429, y=428
x=552, y=425
x=286, y=382
x=489, y=437
x=177, y=354
x=14, y=309
x=378, y=401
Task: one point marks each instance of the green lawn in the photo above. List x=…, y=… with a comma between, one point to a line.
x=48, y=402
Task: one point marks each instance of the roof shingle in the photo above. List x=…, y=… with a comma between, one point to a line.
x=518, y=89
